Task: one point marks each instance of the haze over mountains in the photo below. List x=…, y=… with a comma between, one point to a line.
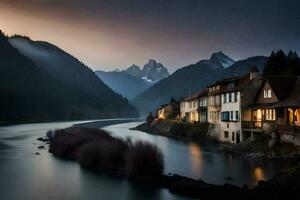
x=192, y=78
x=39, y=81
x=50, y=84
x=134, y=80
x=126, y=85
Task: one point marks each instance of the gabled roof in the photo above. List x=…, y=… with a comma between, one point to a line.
x=293, y=100
x=281, y=86
x=240, y=83
x=197, y=95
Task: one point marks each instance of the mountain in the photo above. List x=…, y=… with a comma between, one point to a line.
x=39, y=82
x=221, y=59
x=217, y=61
x=152, y=71
x=124, y=84
x=192, y=78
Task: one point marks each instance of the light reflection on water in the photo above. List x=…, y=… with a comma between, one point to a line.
x=196, y=157
x=259, y=174
x=25, y=175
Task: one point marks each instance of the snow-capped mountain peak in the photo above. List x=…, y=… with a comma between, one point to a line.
x=152, y=71
x=222, y=59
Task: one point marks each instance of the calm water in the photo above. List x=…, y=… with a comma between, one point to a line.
x=24, y=175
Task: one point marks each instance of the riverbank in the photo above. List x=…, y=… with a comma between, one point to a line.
x=257, y=148
x=181, y=131
x=282, y=185
x=92, y=123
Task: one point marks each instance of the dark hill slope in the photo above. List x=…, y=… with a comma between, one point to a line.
x=36, y=86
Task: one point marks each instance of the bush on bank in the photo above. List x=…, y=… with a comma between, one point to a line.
x=97, y=149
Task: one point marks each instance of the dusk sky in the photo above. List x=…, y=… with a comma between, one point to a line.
x=109, y=34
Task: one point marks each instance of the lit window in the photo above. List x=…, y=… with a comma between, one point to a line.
x=265, y=94
x=269, y=93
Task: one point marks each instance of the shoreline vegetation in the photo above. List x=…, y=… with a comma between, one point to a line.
x=143, y=163
x=188, y=132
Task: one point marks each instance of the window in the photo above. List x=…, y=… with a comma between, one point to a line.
x=231, y=85
x=225, y=116
x=269, y=94
x=229, y=97
x=235, y=96
x=225, y=98
x=232, y=97
x=237, y=115
x=270, y=114
x=226, y=134
x=231, y=115
x=265, y=94
x=194, y=104
x=232, y=136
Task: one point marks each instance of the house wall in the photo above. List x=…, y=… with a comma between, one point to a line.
x=229, y=130
x=189, y=109
x=246, y=115
x=203, y=110
x=213, y=115
x=214, y=108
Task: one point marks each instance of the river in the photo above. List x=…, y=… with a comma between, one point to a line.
x=25, y=175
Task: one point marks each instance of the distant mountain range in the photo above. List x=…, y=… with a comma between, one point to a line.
x=192, y=78
x=133, y=81
x=40, y=81
x=152, y=71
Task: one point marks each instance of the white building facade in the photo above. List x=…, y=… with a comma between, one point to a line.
x=230, y=122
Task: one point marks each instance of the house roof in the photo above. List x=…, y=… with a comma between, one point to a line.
x=293, y=100
x=197, y=95
x=281, y=85
x=240, y=83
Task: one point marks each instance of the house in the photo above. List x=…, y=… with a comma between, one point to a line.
x=202, y=109
x=236, y=94
x=214, y=108
x=168, y=111
x=271, y=105
x=288, y=116
x=194, y=108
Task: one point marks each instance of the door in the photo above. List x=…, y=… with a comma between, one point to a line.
x=238, y=138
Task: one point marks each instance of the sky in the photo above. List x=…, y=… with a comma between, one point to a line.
x=109, y=34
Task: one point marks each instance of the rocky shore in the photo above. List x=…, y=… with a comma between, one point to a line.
x=173, y=129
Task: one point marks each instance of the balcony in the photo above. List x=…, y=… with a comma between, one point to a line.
x=287, y=129
x=258, y=126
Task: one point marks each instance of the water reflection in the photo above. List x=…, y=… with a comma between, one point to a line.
x=259, y=174
x=25, y=175
x=196, y=158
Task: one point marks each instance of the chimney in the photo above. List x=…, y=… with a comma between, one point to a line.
x=253, y=72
